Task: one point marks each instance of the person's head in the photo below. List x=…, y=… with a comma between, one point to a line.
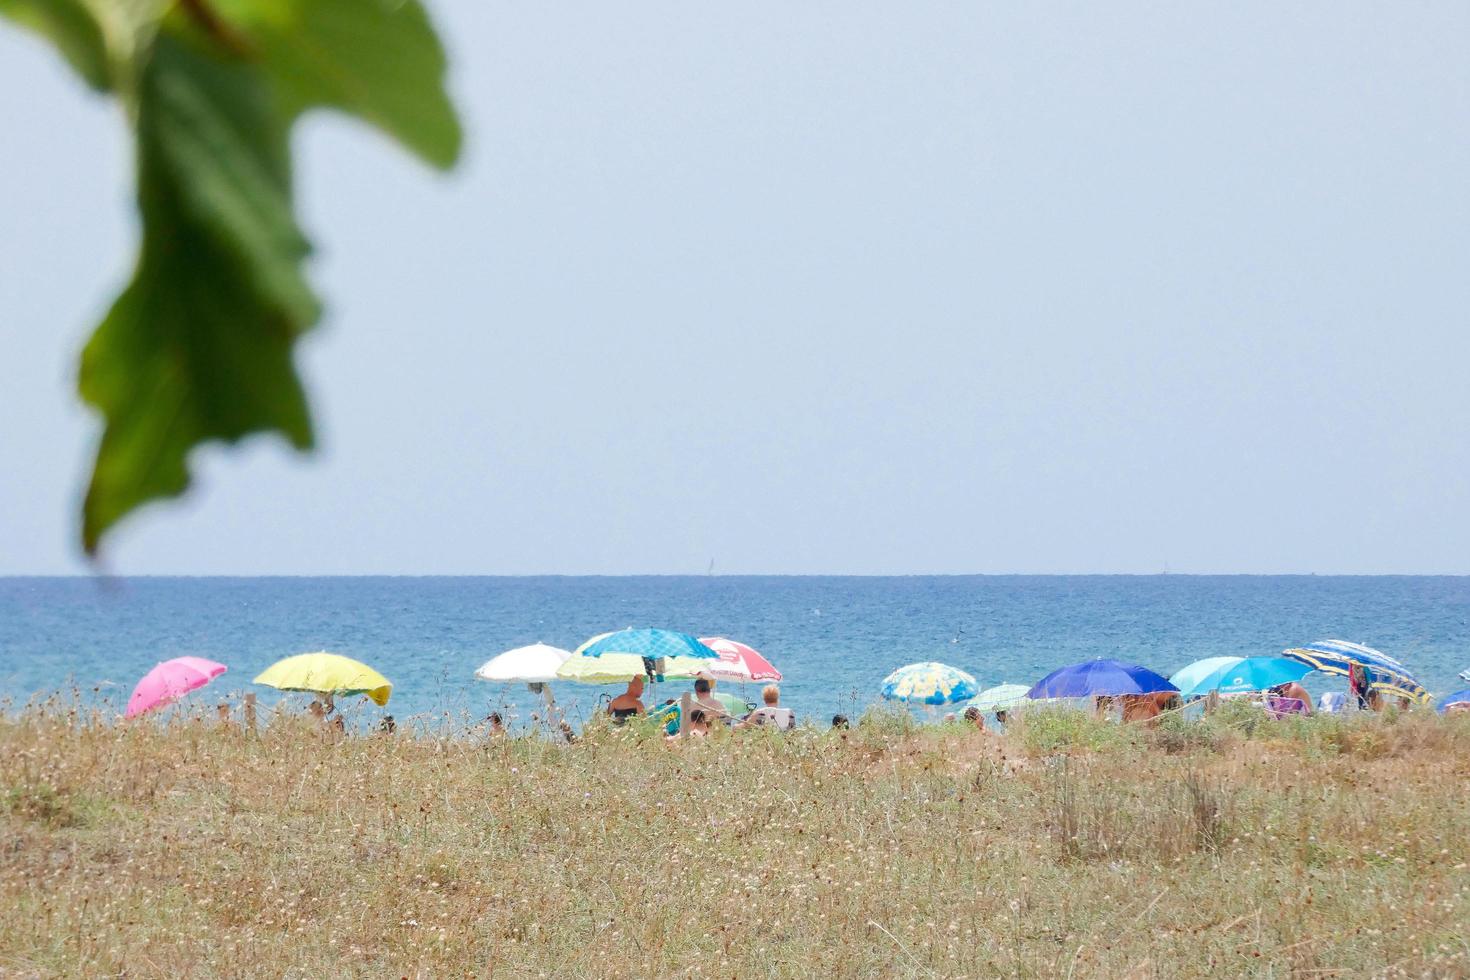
x=495, y=720
x=701, y=685
x=698, y=719
x=1000, y=716
x=635, y=686
x=317, y=708
x=387, y=725
x=972, y=714
x=839, y=721
x=771, y=695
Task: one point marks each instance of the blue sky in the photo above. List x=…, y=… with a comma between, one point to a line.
x=827, y=287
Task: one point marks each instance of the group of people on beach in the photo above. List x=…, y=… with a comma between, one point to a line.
x=704, y=709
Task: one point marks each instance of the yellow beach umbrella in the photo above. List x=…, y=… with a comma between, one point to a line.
x=326, y=673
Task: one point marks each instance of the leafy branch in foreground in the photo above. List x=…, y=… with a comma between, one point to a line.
x=199, y=345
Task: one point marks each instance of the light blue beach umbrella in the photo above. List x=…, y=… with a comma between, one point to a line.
x=930, y=683
x=1249, y=674
x=1187, y=677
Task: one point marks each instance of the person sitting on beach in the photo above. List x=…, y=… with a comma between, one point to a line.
x=974, y=717
x=1141, y=707
x=704, y=697
x=629, y=703
x=770, y=713
x=497, y=724
x=1362, y=689
x=698, y=725
x=1293, y=690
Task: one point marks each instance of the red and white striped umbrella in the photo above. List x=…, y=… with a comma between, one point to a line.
x=738, y=662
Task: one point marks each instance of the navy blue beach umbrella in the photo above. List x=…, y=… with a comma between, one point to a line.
x=1099, y=678
x=1459, y=697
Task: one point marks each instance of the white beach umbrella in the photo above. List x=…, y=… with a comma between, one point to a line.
x=535, y=664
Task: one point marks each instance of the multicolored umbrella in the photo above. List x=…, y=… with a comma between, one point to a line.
x=326, y=673
x=738, y=662
x=1002, y=697
x=534, y=664
x=1384, y=672
x=1099, y=678
x=1249, y=674
x=1187, y=677
x=930, y=683
x=170, y=681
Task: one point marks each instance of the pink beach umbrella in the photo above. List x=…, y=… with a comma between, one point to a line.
x=170, y=681
x=738, y=662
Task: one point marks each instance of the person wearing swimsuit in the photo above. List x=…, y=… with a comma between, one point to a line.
x=629, y=703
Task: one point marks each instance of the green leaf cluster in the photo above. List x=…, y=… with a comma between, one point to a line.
x=199, y=345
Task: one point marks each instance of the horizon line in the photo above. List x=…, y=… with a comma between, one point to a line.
x=106, y=576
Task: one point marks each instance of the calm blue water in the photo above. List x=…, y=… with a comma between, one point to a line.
x=834, y=638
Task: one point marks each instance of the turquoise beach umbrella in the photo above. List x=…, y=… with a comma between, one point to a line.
x=1187, y=677
x=1250, y=674
x=930, y=683
x=648, y=644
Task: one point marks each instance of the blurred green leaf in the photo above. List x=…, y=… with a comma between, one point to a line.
x=199, y=346
x=376, y=59
x=73, y=27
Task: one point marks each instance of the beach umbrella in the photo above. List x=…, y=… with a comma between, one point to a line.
x=649, y=644
x=1249, y=674
x=738, y=662
x=1099, y=678
x=930, y=683
x=1002, y=697
x=1459, y=697
x=534, y=664
x=326, y=673
x=170, y=681
x=1187, y=677
x=1384, y=672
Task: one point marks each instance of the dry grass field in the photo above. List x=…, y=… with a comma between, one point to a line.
x=1069, y=847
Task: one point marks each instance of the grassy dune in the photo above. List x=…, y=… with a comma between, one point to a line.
x=1068, y=848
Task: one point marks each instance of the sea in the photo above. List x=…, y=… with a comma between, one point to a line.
x=834, y=638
